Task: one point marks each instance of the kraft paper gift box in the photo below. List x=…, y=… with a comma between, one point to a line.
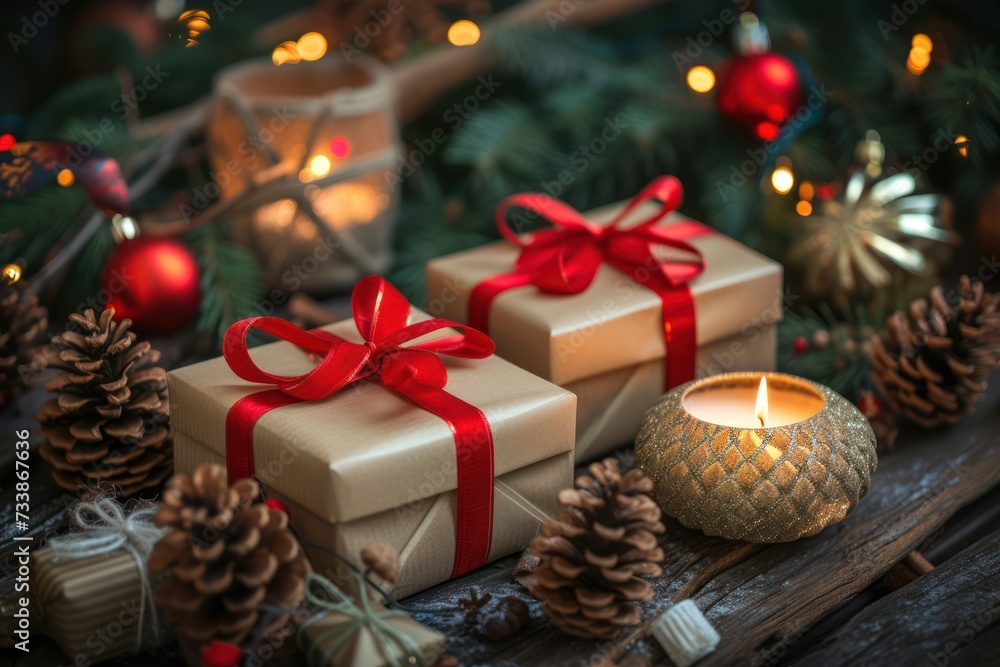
x=91, y=606
x=368, y=465
x=606, y=344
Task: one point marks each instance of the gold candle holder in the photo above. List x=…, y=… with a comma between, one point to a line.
x=761, y=457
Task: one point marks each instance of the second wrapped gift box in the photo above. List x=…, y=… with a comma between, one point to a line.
x=607, y=343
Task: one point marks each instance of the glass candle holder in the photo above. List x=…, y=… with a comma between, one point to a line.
x=729, y=465
x=300, y=155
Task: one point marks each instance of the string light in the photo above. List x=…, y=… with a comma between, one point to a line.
x=920, y=54
x=311, y=46
x=782, y=180
x=803, y=208
x=123, y=228
x=7, y=141
x=700, y=79
x=286, y=52
x=962, y=142
x=923, y=41
x=340, y=147
x=11, y=273
x=195, y=21
x=65, y=178
x=463, y=33
x=806, y=191
x=320, y=165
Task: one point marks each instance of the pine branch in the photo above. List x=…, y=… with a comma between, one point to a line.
x=230, y=281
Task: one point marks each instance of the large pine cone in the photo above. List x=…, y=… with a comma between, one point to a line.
x=933, y=365
x=22, y=338
x=592, y=556
x=111, y=420
x=226, y=555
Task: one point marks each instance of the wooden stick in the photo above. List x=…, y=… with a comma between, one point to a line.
x=920, y=565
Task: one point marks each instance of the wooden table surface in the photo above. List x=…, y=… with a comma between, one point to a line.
x=816, y=602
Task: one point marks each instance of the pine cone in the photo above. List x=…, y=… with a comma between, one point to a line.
x=592, y=555
x=110, y=422
x=933, y=365
x=22, y=338
x=226, y=555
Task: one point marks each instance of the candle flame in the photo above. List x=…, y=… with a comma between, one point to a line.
x=760, y=412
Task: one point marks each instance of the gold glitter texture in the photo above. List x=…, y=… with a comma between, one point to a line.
x=760, y=485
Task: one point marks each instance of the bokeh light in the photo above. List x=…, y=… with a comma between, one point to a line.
x=782, y=180
x=311, y=46
x=701, y=79
x=463, y=33
x=65, y=178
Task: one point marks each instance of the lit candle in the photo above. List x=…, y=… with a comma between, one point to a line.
x=763, y=457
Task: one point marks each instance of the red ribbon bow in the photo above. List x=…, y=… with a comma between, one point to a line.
x=392, y=355
x=565, y=260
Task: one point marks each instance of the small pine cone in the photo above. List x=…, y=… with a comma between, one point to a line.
x=111, y=419
x=22, y=339
x=227, y=553
x=934, y=363
x=507, y=617
x=592, y=556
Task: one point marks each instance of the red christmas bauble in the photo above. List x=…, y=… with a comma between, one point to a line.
x=759, y=92
x=155, y=283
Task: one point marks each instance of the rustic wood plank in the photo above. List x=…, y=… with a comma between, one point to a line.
x=943, y=618
x=763, y=606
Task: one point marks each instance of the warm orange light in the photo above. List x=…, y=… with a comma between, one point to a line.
x=286, y=52
x=922, y=41
x=962, y=142
x=803, y=208
x=463, y=33
x=701, y=79
x=320, y=165
x=65, y=178
x=920, y=57
x=807, y=191
x=312, y=46
x=11, y=273
x=782, y=180
x=760, y=411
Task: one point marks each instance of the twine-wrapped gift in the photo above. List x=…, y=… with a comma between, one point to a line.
x=365, y=634
x=91, y=590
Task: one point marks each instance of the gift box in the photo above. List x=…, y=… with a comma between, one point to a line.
x=608, y=343
x=92, y=607
x=369, y=464
x=366, y=634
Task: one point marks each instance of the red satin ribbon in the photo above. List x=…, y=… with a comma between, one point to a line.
x=382, y=316
x=565, y=260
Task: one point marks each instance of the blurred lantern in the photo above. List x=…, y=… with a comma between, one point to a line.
x=306, y=161
x=758, y=89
